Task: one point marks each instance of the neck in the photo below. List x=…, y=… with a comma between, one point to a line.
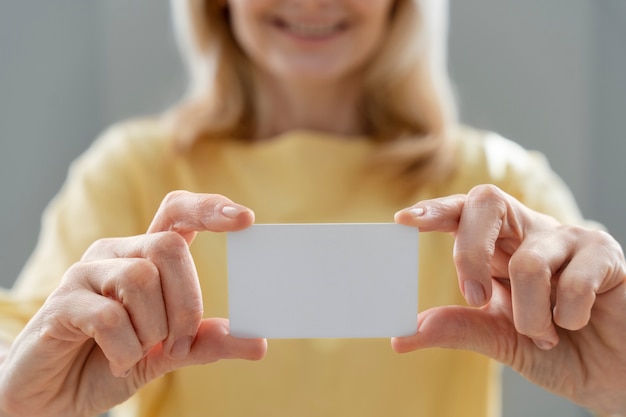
x=284, y=105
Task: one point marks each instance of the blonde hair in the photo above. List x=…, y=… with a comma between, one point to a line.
x=408, y=101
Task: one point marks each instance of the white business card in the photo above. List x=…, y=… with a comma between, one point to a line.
x=323, y=280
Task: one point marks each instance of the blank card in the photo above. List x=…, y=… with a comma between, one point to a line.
x=323, y=280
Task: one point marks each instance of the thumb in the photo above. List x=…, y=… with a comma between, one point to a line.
x=212, y=343
x=456, y=327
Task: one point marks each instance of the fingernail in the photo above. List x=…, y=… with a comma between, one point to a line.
x=543, y=344
x=474, y=293
x=181, y=348
x=231, y=211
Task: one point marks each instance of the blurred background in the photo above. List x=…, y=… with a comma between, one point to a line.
x=550, y=74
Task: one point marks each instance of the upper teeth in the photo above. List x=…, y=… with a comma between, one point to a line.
x=311, y=30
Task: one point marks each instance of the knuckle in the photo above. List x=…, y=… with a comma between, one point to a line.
x=108, y=316
x=73, y=276
x=166, y=244
x=140, y=275
x=46, y=329
x=598, y=238
x=487, y=198
x=485, y=194
x=529, y=264
x=170, y=205
x=173, y=197
x=99, y=246
x=608, y=242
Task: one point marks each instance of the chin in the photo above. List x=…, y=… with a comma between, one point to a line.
x=315, y=72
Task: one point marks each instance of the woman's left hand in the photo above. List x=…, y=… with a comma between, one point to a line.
x=548, y=299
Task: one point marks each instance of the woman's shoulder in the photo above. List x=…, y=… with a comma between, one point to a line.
x=128, y=142
x=139, y=134
x=491, y=155
x=125, y=149
x=487, y=157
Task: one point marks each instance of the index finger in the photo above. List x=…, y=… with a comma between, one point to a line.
x=476, y=220
x=181, y=215
x=187, y=213
x=480, y=226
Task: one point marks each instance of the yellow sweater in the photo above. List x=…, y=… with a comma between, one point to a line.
x=300, y=176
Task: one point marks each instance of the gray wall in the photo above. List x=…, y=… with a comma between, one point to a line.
x=548, y=74
x=49, y=111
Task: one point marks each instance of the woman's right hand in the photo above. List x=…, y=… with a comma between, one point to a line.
x=128, y=312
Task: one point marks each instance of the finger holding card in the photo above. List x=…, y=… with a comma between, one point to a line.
x=187, y=213
x=549, y=299
x=129, y=311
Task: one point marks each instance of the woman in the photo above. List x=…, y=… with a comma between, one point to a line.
x=309, y=111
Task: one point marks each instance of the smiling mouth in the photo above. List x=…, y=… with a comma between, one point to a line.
x=310, y=30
